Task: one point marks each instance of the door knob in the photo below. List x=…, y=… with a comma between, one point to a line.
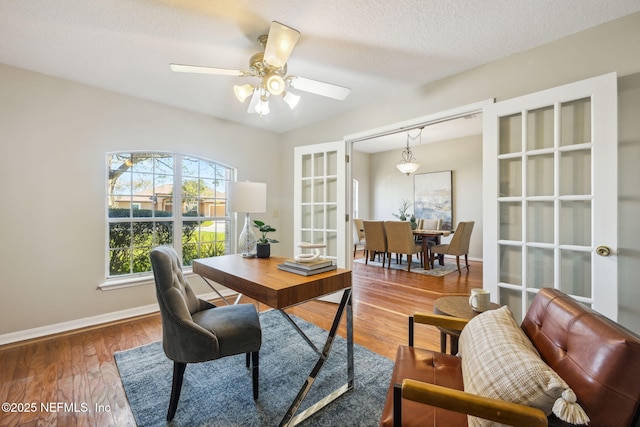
x=603, y=251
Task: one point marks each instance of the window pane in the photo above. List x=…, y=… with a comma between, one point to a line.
x=140, y=188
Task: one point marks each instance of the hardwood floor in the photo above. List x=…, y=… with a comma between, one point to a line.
x=62, y=380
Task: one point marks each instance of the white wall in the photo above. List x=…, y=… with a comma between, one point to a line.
x=462, y=156
x=53, y=139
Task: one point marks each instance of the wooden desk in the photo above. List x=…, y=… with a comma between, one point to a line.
x=260, y=279
x=456, y=306
x=437, y=235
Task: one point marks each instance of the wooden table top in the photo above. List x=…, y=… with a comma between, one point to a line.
x=420, y=232
x=458, y=306
x=260, y=279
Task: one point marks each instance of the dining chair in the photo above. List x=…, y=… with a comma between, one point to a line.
x=458, y=246
x=358, y=235
x=400, y=241
x=428, y=224
x=375, y=240
x=194, y=330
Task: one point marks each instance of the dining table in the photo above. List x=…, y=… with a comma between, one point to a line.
x=434, y=236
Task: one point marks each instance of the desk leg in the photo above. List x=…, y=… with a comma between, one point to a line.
x=289, y=418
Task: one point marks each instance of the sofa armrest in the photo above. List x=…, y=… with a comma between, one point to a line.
x=448, y=322
x=459, y=401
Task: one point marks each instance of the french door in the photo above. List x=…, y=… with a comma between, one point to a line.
x=320, y=172
x=550, y=191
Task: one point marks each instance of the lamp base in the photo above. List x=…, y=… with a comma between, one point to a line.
x=247, y=241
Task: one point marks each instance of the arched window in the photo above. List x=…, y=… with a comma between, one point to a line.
x=156, y=198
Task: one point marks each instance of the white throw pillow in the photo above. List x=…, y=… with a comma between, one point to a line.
x=499, y=361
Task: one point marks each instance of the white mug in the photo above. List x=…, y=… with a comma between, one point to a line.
x=479, y=299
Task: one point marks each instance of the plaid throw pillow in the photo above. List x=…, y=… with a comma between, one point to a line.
x=499, y=361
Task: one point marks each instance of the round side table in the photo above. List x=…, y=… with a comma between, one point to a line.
x=456, y=306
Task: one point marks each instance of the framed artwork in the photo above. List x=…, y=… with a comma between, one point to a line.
x=432, y=197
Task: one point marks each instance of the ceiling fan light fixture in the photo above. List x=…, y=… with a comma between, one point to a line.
x=243, y=92
x=262, y=107
x=280, y=43
x=274, y=84
x=291, y=99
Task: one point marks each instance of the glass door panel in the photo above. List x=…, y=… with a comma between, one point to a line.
x=575, y=223
x=548, y=160
x=575, y=273
x=511, y=177
x=576, y=122
x=511, y=221
x=540, y=175
x=511, y=265
x=540, y=128
x=540, y=268
x=510, y=134
x=540, y=222
x=575, y=167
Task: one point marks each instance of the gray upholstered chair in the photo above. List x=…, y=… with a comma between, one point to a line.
x=194, y=330
x=358, y=234
x=375, y=240
x=458, y=246
x=400, y=241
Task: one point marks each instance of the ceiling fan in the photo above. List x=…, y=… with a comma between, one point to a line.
x=270, y=67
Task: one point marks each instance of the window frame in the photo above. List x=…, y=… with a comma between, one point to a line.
x=177, y=217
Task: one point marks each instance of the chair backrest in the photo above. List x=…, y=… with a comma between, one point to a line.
x=358, y=230
x=430, y=224
x=400, y=237
x=171, y=286
x=599, y=359
x=375, y=237
x=459, y=244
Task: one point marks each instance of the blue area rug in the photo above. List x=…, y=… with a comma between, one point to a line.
x=218, y=393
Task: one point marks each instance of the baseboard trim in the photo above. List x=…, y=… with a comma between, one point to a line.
x=87, y=322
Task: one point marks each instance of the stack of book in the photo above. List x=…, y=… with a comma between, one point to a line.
x=307, y=268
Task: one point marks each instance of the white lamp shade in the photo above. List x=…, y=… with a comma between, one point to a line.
x=249, y=197
x=274, y=84
x=408, y=167
x=291, y=99
x=243, y=92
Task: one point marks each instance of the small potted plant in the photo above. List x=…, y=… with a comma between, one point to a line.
x=263, y=246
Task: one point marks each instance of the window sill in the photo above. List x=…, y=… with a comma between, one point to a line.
x=128, y=282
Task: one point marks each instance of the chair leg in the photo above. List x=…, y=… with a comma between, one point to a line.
x=255, y=373
x=178, y=374
x=458, y=263
x=366, y=256
x=409, y=256
x=466, y=261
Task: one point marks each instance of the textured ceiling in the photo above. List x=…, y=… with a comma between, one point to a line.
x=378, y=48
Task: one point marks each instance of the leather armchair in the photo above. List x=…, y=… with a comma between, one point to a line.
x=194, y=330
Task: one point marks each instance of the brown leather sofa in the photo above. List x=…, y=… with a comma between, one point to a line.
x=598, y=359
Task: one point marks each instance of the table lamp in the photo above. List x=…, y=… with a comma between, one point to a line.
x=247, y=197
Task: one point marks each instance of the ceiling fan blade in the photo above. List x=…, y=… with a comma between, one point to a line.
x=180, y=68
x=319, y=88
x=280, y=43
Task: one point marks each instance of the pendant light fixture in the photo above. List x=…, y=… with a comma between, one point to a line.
x=408, y=165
